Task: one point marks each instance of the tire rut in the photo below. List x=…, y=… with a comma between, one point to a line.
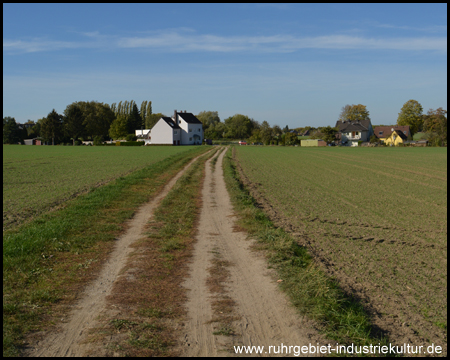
x=69, y=338
x=263, y=313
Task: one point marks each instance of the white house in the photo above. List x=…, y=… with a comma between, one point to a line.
x=165, y=132
x=350, y=132
x=183, y=129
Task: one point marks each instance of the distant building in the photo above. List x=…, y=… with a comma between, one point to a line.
x=182, y=129
x=313, y=142
x=351, y=132
x=397, y=137
x=384, y=132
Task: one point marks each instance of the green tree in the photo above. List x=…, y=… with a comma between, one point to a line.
x=435, y=122
x=216, y=131
x=329, y=133
x=134, y=120
x=276, y=131
x=354, y=112
x=143, y=111
x=98, y=117
x=10, y=131
x=411, y=114
x=119, y=127
x=290, y=139
x=52, y=128
x=73, y=122
x=148, y=113
x=208, y=118
x=238, y=127
x=265, y=133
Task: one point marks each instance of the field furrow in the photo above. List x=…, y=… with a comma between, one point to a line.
x=375, y=218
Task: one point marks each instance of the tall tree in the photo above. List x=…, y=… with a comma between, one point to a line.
x=239, y=127
x=265, y=132
x=354, y=112
x=143, y=111
x=10, y=131
x=208, y=118
x=148, y=113
x=51, y=128
x=97, y=118
x=411, y=114
x=152, y=119
x=73, y=122
x=435, y=124
x=119, y=108
x=134, y=120
x=114, y=108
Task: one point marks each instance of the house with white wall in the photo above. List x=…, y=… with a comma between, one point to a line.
x=351, y=132
x=182, y=129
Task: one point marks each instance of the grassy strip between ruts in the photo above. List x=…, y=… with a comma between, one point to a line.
x=48, y=261
x=146, y=304
x=339, y=316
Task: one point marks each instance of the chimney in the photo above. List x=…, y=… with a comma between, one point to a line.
x=175, y=116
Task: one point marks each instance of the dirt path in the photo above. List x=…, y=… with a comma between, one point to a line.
x=68, y=340
x=262, y=314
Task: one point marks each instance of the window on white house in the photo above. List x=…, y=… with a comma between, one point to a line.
x=190, y=130
x=175, y=132
x=201, y=130
x=190, y=139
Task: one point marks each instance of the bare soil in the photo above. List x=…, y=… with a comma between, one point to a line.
x=391, y=315
x=69, y=339
x=233, y=298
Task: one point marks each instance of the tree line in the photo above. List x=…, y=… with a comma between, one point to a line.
x=83, y=120
x=98, y=121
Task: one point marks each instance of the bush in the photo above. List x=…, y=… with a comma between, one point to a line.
x=130, y=143
x=77, y=142
x=98, y=140
x=131, y=137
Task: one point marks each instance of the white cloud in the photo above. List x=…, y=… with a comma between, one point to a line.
x=186, y=40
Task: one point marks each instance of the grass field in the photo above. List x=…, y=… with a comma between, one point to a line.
x=48, y=261
x=38, y=178
x=375, y=218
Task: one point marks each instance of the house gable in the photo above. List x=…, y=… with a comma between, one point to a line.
x=191, y=128
x=383, y=132
x=353, y=131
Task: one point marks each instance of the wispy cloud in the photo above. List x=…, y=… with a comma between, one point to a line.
x=429, y=29
x=186, y=40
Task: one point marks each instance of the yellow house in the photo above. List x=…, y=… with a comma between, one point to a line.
x=397, y=137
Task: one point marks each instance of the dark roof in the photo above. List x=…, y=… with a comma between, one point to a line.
x=189, y=118
x=356, y=125
x=400, y=133
x=170, y=122
x=387, y=130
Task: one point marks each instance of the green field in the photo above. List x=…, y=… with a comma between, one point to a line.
x=376, y=219
x=38, y=178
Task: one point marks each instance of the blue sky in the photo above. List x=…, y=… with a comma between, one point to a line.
x=289, y=64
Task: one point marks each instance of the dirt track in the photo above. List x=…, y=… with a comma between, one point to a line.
x=263, y=315
x=68, y=340
x=260, y=313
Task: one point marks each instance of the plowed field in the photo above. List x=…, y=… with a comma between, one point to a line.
x=376, y=219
